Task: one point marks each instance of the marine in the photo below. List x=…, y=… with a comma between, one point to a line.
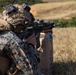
x=23, y=56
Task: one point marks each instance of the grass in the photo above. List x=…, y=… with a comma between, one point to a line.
x=64, y=50
x=54, y=10
x=56, y=0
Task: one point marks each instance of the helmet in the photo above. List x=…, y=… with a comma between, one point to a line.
x=18, y=16
x=10, y=9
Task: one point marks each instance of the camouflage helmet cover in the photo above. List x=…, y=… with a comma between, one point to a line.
x=17, y=16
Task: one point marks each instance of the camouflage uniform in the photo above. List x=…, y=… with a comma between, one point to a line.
x=14, y=48
x=23, y=57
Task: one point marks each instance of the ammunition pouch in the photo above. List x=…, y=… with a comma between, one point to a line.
x=13, y=70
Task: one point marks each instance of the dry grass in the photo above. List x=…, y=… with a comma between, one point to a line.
x=54, y=10
x=56, y=0
x=64, y=45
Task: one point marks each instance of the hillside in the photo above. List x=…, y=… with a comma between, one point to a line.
x=56, y=0
x=55, y=10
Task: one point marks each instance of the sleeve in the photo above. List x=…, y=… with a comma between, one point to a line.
x=24, y=61
x=15, y=50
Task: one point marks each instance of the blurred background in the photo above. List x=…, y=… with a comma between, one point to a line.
x=64, y=36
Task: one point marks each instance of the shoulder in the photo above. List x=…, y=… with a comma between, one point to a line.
x=4, y=25
x=9, y=36
x=4, y=39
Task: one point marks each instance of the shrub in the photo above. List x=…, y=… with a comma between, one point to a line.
x=66, y=23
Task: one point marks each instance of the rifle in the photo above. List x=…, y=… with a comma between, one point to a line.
x=37, y=27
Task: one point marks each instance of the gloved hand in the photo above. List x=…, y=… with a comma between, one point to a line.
x=32, y=39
